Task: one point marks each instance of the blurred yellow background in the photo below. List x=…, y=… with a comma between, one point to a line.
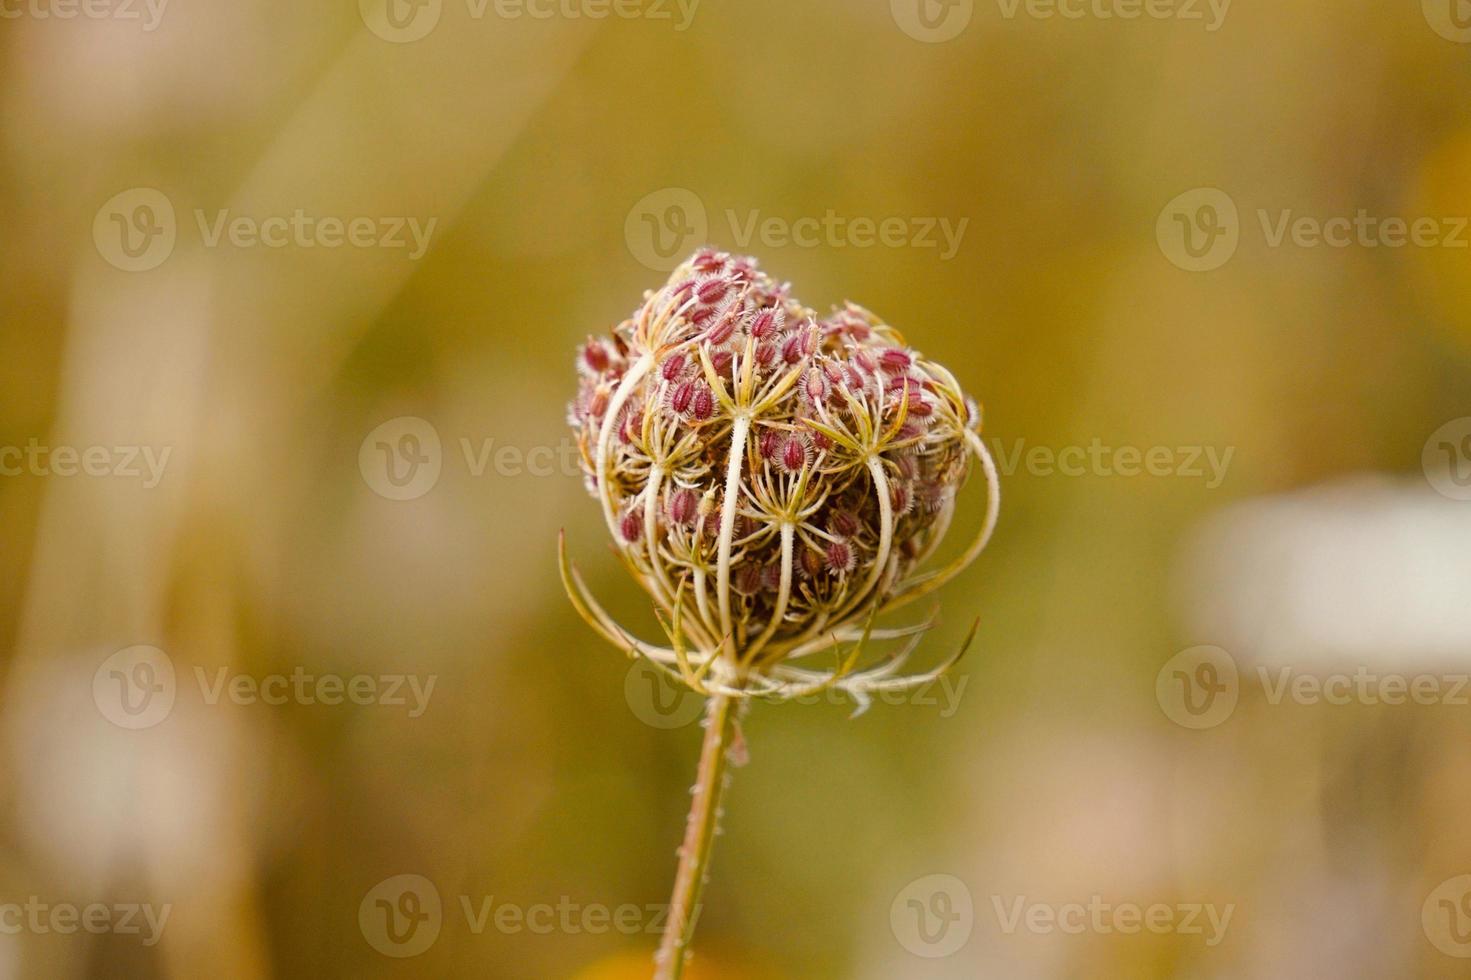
x=265, y=657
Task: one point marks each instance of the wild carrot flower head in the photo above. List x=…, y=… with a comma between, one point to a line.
x=772, y=477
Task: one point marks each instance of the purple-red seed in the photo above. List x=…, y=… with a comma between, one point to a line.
x=815, y=386
x=722, y=331
x=765, y=324
x=595, y=356
x=793, y=454
x=769, y=443
x=812, y=562
x=748, y=579
x=681, y=397
x=712, y=290
x=894, y=359
x=842, y=523
x=683, y=506
x=703, y=405
x=840, y=557
x=902, y=498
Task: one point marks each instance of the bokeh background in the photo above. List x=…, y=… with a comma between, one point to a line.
x=561, y=158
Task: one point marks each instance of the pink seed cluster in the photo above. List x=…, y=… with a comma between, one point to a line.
x=773, y=472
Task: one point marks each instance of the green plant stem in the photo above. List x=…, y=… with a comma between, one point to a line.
x=699, y=839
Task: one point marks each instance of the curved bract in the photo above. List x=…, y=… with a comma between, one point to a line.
x=774, y=479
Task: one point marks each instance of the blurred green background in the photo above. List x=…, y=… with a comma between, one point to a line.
x=549, y=152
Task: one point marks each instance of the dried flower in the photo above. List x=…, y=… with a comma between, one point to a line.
x=849, y=431
x=786, y=478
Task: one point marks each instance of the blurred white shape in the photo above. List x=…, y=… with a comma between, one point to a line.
x=1319, y=922
x=128, y=67
x=1367, y=571
x=1068, y=811
x=104, y=806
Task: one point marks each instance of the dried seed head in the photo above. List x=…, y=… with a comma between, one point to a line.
x=770, y=468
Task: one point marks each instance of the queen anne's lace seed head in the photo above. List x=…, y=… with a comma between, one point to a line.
x=773, y=477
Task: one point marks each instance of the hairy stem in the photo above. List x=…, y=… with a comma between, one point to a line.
x=699, y=840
